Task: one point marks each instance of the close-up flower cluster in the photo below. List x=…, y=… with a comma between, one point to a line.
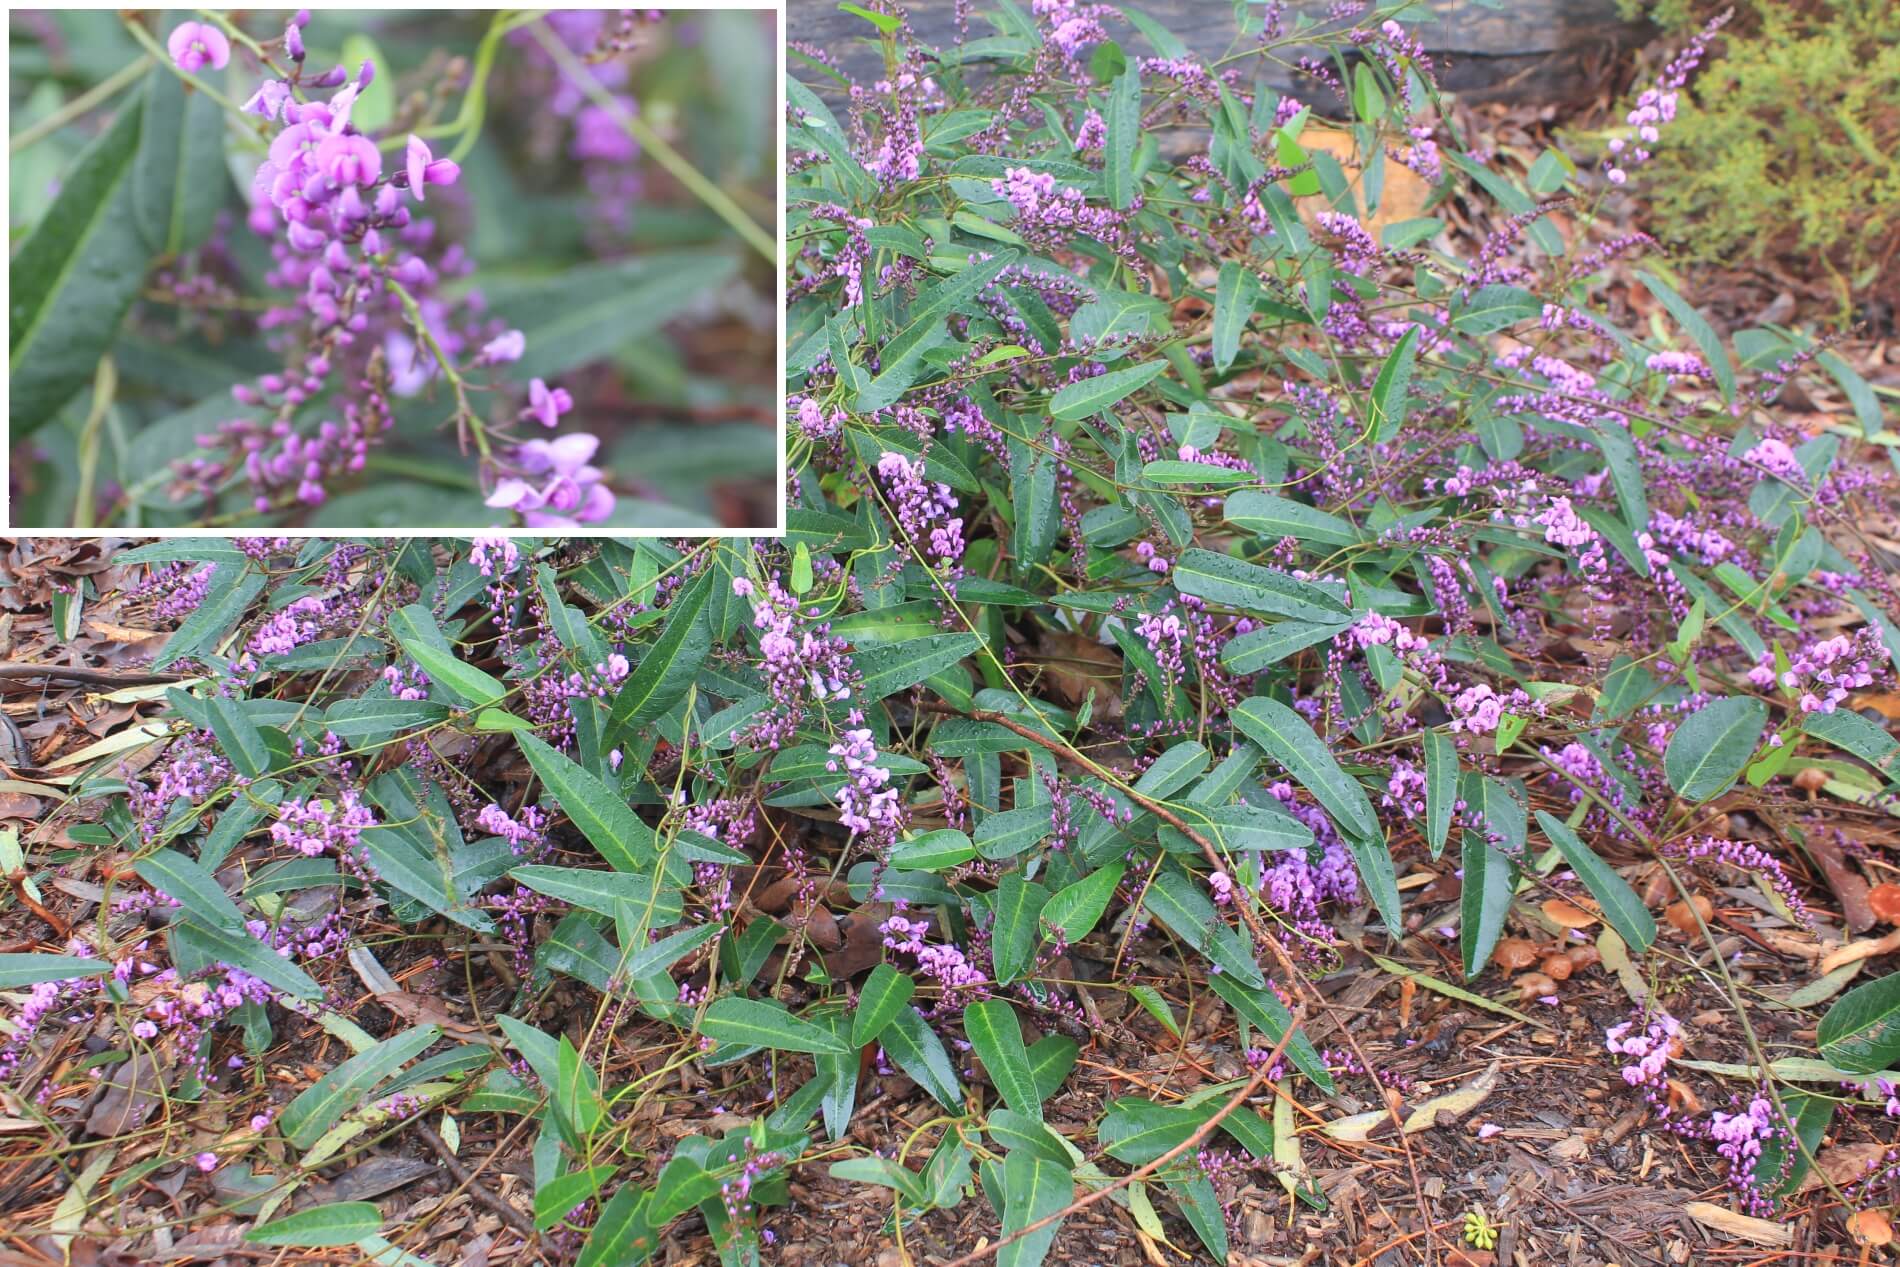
x=425, y=309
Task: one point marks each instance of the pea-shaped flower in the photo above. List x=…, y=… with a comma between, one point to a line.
x=349, y=160
x=423, y=168
x=195, y=45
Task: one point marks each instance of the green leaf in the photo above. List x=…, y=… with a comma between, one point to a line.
x=552, y=1200
x=1122, y=132
x=464, y=681
x=1271, y=518
x=996, y=1035
x=1850, y=732
x=1861, y=1032
x=186, y=882
x=1264, y=1011
x=602, y=892
x=18, y=970
x=180, y=180
x=228, y=593
x=243, y=951
x=1485, y=901
x=653, y=956
x=1782, y=1164
x=1623, y=910
x=316, y=1110
x=1182, y=904
x=73, y=278
x=901, y=665
x=1092, y=395
x=1235, y=293
x=598, y=811
x=886, y=992
x=1697, y=328
x=1075, y=910
x=1441, y=787
x=594, y=309
x=1256, y=650
x=901, y=360
x=761, y=1023
x=937, y=850
x=1006, y=834
x=622, y=1236
x=239, y=739
x=1249, y=587
x=1711, y=745
x=1626, y=473
x=1494, y=307
x=667, y=670
x=1391, y=391
x=1018, y=904
x=321, y=1226
x=1034, y=1187
x=910, y=1041
x=1286, y=737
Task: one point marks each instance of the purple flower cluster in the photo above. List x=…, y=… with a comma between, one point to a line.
x=369, y=320
x=926, y=510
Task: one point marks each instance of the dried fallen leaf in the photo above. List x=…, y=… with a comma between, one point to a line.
x=1448, y=1108
x=1855, y=951
x=1356, y=1129
x=1740, y=1226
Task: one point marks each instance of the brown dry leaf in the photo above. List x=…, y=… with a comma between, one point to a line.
x=19, y=805
x=1740, y=1226
x=1842, y=1164
x=1855, y=951
x=426, y=1009
x=133, y=1089
x=1445, y=1109
x=1075, y=668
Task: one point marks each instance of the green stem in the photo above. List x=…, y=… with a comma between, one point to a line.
x=676, y=165
x=98, y=94
x=465, y=420
x=105, y=386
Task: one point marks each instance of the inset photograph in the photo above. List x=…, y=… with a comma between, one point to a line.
x=394, y=270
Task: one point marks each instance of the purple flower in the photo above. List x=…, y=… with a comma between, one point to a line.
x=507, y=346
x=572, y=493
x=423, y=168
x=269, y=99
x=293, y=41
x=206, y=1162
x=349, y=160
x=194, y=45
x=547, y=404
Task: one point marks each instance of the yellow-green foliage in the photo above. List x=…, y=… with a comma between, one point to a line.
x=1787, y=142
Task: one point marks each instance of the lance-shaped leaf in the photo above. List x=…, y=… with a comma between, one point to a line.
x=602, y=815
x=760, y=1023
x=1623, y=910
x=670, y=664
x=73, y=278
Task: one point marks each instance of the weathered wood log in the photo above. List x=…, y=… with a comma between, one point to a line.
x=1543, y=51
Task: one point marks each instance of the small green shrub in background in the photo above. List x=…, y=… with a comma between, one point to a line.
x=1787, y=143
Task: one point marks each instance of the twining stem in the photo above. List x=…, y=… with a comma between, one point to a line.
x=466, y=423
x=105, y=385
x=96, y=95
x=676, y=165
